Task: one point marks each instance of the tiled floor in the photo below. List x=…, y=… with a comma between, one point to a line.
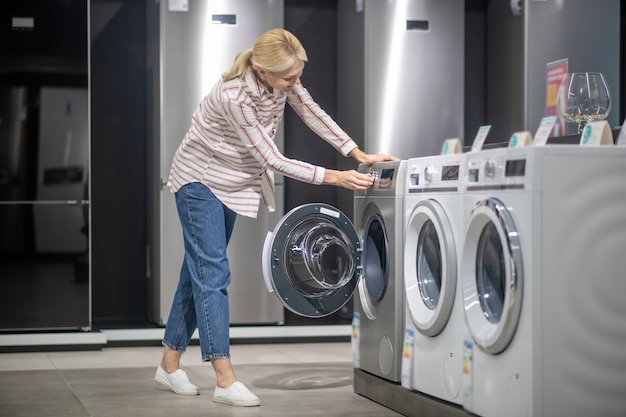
x=312, y=379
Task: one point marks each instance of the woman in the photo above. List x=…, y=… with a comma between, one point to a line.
x=224, y=167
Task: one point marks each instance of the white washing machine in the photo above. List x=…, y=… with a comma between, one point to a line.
x=316, y=257
x=542, y=275
x=433, y=207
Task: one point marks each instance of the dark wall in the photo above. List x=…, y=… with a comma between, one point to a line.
x=475, y=68
x=623, y=60
x=56, y=42
x=118, y=137
x=314, y=23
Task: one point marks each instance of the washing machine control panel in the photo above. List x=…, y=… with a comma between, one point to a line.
x=500, y=168
x=441, y=173
x=387, y=178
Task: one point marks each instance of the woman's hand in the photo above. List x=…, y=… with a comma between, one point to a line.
x=369, y=159
x=351, y=179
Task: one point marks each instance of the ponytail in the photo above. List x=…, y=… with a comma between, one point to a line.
x=276, y=50
x=240, y=66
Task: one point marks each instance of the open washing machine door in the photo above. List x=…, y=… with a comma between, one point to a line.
x=312, y=260
x=492, y=276
x=430, y=267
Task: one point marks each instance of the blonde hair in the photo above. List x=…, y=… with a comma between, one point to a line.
x=276, y=50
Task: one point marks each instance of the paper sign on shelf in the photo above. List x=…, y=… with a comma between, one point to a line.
x=544, y=129
x=479, y=140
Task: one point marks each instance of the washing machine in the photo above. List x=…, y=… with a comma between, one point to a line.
x=378, y=327
x=542, y=275
x=316, y=259
x=433, y=207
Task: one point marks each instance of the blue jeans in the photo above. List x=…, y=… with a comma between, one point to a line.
x=201, y=300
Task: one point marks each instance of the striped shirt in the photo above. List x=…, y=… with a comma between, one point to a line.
x=230, y=145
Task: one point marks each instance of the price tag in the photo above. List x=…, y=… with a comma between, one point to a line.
x=479, y=140
x=543, y=132
x=596, y=133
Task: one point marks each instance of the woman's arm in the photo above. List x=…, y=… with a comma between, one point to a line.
x=369, y=159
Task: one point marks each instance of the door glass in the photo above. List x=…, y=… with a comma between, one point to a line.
x=319, y=258
x=490, y=273
x=375, y=263
x=44, y=166
x=44, y=276
x=428, y=264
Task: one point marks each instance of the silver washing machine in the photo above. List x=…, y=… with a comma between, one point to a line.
x=315, y=259
x=378, y=325
x=433, y=241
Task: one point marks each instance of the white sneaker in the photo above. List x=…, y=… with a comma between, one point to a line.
x=237, y=394
x=176, y=381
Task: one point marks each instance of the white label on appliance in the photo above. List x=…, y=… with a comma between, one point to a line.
x=356, y=329
x=407, y=354
x=330, y=213
x=544, y=129
x=178, y=5
x=479, y=140
x=467, y=363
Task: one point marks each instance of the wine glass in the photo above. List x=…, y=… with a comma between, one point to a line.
x=584, y=97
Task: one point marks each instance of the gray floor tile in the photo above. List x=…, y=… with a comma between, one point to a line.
x=286, y=390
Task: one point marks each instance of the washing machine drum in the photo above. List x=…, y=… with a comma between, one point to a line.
x=310, y=260
x=375, y=260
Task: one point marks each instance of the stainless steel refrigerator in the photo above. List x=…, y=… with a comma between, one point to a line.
x=401, y=74
x=191, y=42
x=522, y=40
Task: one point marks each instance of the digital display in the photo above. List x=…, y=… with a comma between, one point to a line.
x=515, y=168
x=224, y=19
x=450, y=173
x=387, y=173
x=417, y=25
x=386, y=179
